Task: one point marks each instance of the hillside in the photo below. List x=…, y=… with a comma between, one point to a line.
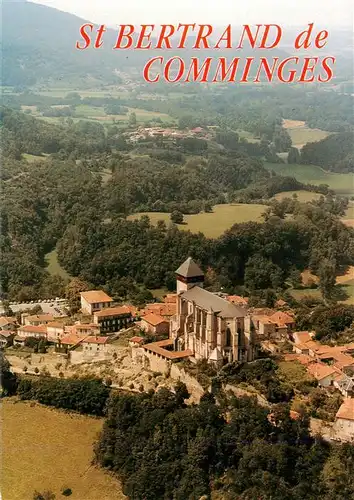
x=32, y=53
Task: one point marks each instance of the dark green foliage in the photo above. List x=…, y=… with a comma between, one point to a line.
x=262, y=374
x=330, y=322
x=66, y=492
x=335, y=152
x=176, y=217
x=293, y=156
x=8, y=380
x=161, y=449
x=87, y=396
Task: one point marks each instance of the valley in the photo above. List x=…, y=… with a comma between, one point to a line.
x=177, y=259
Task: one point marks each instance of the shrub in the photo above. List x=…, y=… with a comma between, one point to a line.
x=66, y=491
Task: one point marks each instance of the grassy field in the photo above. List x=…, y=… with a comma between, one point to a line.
x=302, y=195
x=95, y=113
x=311, y=174
x=301, y=134
x=212, y=224
x=293, y=372
x=46, y=449
x=53, y=266
x=34, y=158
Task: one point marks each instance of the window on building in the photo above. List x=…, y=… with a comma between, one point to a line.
x=228, y=337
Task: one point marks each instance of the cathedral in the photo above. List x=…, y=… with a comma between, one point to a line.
x=206, y=324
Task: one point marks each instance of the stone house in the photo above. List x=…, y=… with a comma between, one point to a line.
x=55, y=330
x=95, y=344
x=36, y=319
x=113, y=319
x=344, y=422
x=325, y=375
x=38, y=332
x=154, y=324
x=94, y=300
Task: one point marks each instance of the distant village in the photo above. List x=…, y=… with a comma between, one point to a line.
x=192, y=324
x=143, y=133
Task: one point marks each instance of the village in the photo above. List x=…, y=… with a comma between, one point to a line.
x=143, y=349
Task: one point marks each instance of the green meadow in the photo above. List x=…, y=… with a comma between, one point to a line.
x=211, y=224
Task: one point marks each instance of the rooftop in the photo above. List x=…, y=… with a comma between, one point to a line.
x=96, y=296
x=40, y=317
x=346, y=411
x=237, y=299
x=189, y=269
x=113, y=311
x=137, y=340
x=209, y=301
x=302, y=337
x=158, y=348
x=7, y=320
x=320, y=371
x=161, y=309
x=95, y=340
x=33, y=328
x=282, y=318
x=72, y=339
x=153, y=319
x=55, y=324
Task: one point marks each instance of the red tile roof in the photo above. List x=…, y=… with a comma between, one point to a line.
x=7, y=320
x=154, y=319
x=113, y=311
x=346, y=411
x=96, y=296
x=44, y=318
x=237, y=299
x=55, y=324
x=171, y=298
x=137, y=340
x=72, y=339
x=95, y=340
x=320, y=371
x=33, y=329
x=301, y=337
x=161, y=309
x=158, y=348
x=282, y=318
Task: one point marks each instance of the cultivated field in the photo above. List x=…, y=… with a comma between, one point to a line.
x=301, y=134
x=46, y=449
x=212, y=224
x=311, y=174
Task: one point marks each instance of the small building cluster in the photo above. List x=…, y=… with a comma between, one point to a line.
x=214, y=326
x=143, y=133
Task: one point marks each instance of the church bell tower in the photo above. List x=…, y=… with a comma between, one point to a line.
x=188, y=275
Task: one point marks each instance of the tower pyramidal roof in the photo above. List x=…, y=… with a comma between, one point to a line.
x=189, y=269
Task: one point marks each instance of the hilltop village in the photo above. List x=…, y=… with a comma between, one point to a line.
x=194, y=327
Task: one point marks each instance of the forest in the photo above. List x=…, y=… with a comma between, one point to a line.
x=62, y=201
x=159, y=446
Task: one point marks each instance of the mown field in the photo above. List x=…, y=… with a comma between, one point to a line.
x=46, y=449
x=211, y=224
x=311, y=174
x=302, y=196
x=301, y=134
x=345, y=285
